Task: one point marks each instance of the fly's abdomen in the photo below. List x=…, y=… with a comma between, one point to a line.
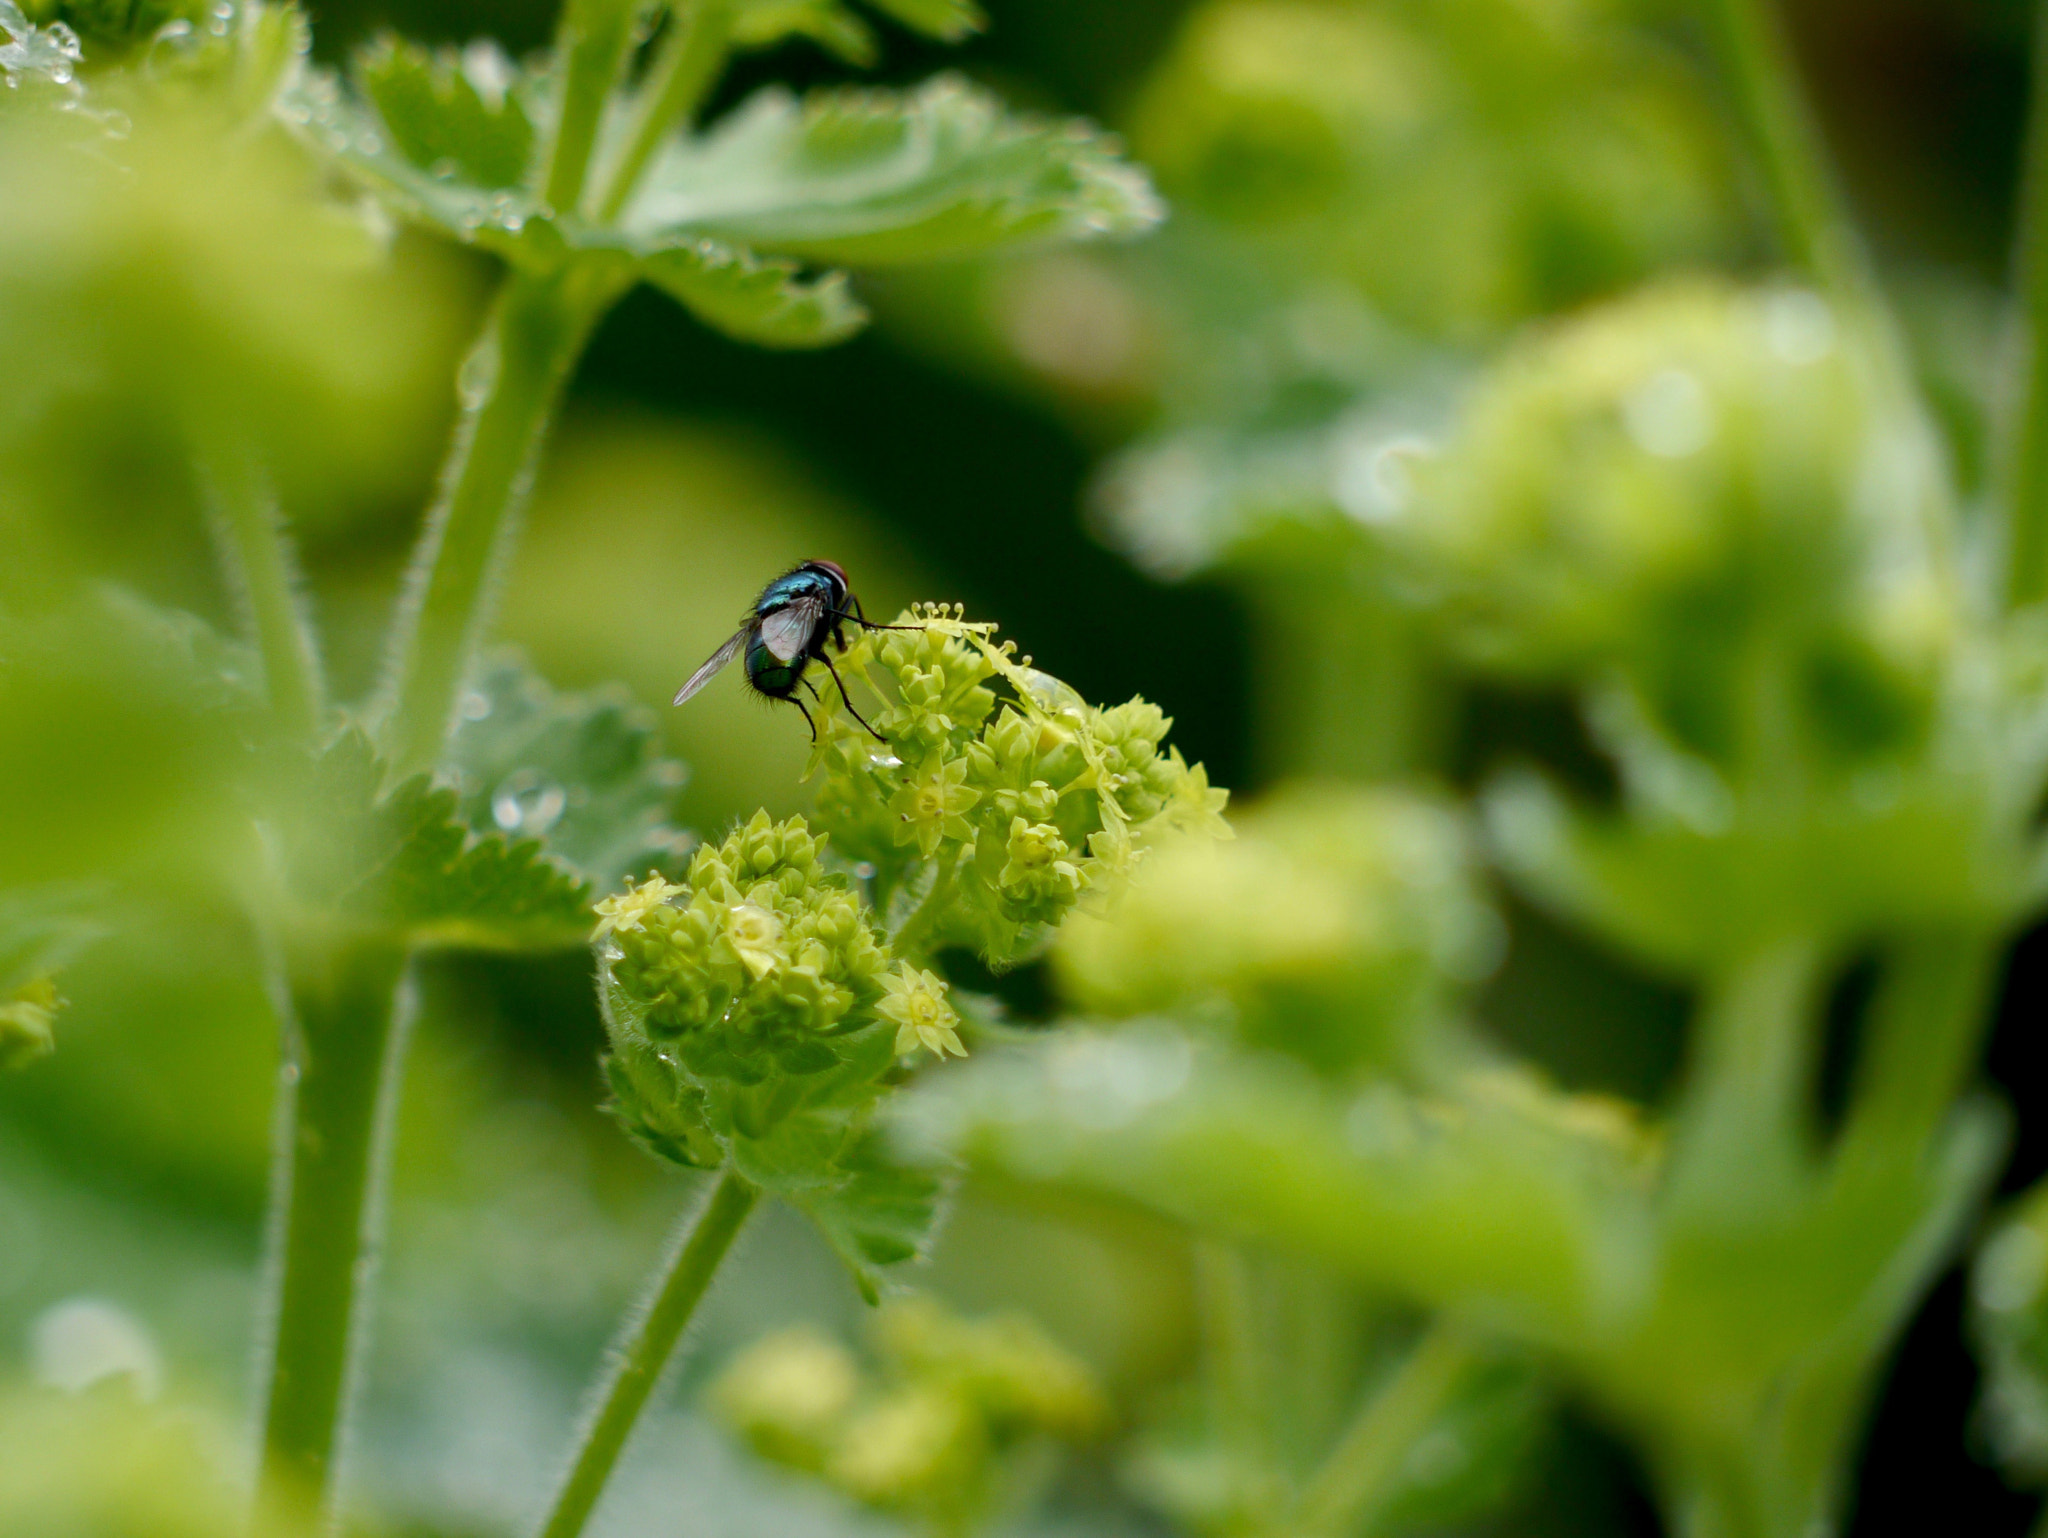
x=769, y=673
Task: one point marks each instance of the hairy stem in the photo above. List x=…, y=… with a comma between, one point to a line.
x=677, y=82
x=512, y=381
x=1364, y=1467
x=639, y=1356
x=591, y=45
x=339, y=1078
x=2026, y=452
x=257, y=553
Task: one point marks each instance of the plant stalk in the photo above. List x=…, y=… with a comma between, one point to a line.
x=1364, y=1467
x=2026, y=453
x=677, y=82
x=1821, y=238
x=592, y=43
x=257, y=553
x=512, y=381
x=644, y=1349
x=339, y=1081
x=1741, y=1124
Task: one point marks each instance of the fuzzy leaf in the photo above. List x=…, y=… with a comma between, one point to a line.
x=883, y=1214
x=464, y=114
x=876, y=176
x=404, y=864
x=750, y=298
x=582, y=773
x=947, y=20
x=764, y=23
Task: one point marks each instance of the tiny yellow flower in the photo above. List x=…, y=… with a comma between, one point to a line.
x=1195, y=807
x=916, y=1001
x=624, y=911
x=25, y=1018
x=929, y=808
x=755, y=935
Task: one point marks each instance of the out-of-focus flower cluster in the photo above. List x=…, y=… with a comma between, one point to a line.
x=1338, y=927
x=1680, y=481
x=934, y=1431
x=986, y=819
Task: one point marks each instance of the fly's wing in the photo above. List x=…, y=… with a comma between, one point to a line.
x=789, y=629
x=717, y=660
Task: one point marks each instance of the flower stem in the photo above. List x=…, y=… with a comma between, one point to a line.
x=257, y=552
x=1361, y=1470
x=677, y=82
x=591, y=45
x=1739, y=1125
x=1821, y=238
x=338, y=1080
x=2026, y=454
x=644, y=1349
x=512, y=382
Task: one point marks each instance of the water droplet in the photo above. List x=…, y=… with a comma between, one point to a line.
x=475, y=705
x=474, y=379
x=865, y=870
x=526, y=804
x=289, y=1073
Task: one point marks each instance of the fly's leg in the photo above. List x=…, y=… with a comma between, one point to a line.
x=807, y=715
x=849, y=701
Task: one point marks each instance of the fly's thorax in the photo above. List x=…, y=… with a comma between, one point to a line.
x=807, y=581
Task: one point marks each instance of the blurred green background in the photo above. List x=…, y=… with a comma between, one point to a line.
x=952, y=452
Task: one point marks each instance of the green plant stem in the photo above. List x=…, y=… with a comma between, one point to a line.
x=513, y=379
x=1232, y=1363
x=644, y=1349
x=257, y=551
x=1920, y=1042
x=339, y=1079
x=677, y=82
x=1364, y=1467
x=591, y=45
x=1819, y=236
x=1741, y=1123
x=2025, y=456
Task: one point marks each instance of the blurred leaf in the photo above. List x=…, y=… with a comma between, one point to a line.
x=1690, y=885
x=583, y=773
x=883, y=1215
x=1500, y=1201
x=764, y=302
x=465, y=112
x=875, y=177
x=406, y=865
x=947, y=20
x=833, y=27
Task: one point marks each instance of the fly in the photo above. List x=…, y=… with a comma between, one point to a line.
x=793, y=620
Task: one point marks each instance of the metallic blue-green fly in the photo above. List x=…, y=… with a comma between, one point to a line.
x=793, y=620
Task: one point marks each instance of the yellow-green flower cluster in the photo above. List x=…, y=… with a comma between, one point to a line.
x=1000, y=798
x=928, y=1432
x=1337, y=928
x=760, y=972
x=1673, y=488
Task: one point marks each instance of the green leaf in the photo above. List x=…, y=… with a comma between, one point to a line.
x=463, y=114
x=582, y=773
x=764, y=23
x=882, y=1214
x=875, y=177
x=947, y=20
x=403, y=864
x=1486, y=1202
x=764, y=301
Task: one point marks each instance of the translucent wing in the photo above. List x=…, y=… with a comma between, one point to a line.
x=717, y=660
x=789, y=629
